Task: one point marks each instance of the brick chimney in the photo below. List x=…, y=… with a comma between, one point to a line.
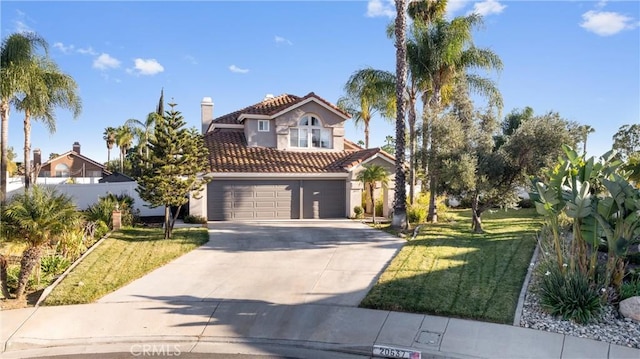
x=206, y=113
x=76, y=147
x=37, y=157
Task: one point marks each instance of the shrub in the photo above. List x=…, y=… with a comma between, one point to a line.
x=569, y=294
x=195, y=219
x=54, y=265
x=103, y=209
x=379, y=208
x=416, y=213
x=359, y=212
x=630, y=289
x=71, y=244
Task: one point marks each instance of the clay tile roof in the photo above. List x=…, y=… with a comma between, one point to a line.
x=228, y=153
x=271, y=106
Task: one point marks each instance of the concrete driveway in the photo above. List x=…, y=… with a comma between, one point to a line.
x=292, y=262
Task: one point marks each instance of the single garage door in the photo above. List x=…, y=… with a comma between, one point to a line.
x=230, y=200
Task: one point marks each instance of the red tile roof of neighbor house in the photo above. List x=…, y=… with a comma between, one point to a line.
x=271, y=106
x=228, y=153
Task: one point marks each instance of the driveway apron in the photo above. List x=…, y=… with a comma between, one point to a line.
x=290, y=262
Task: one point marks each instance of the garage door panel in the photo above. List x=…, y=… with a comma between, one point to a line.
x=323, y=199
x=253, y=199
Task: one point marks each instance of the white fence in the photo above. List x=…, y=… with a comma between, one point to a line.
x=86, y=194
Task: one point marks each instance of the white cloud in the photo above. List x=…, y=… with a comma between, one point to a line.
x=191, y=59
x=62, y=47
x=488, y=7
x=105, y=62
x=606, y=23
x=454, y=5
x=376, y=8
x=282, y=40
x=88, y=51
x=236, y=69
x=148, y=67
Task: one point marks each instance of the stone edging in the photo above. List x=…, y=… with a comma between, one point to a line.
x=525, y=285
x=49, y=289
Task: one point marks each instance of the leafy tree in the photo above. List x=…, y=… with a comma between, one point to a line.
x=16, y=56
x=11, y=164
x=53, y=155
x=109, y=136
x=366, y=92
x=400, y=198
x=585, y=130
x=390, y=145
x=37, y=217
x=627, y=140
x=370, y=176
x=178, y=159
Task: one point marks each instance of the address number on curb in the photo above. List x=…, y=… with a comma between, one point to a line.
x=395, y=353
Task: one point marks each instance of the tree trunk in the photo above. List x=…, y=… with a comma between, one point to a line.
x=121, y=161
x=400, y=198
x=373, y=200
x=476, y=215
x=4, y=155
x=30, y=258
x=27, y=149
x=412, y=149
x=366, y=134
x=432, y=216
x=3, y=277
x=167, y=222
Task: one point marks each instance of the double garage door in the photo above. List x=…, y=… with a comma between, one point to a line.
x=229, y=200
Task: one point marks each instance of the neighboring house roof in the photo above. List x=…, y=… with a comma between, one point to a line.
x=84, y=158
x=116, y=177
x=273, y=106
x=228, y=153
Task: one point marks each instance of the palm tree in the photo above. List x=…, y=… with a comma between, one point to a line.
x=46, y=88
x=399, y=207
x=371, y=175
x=17, y=51
x=585, y=131
x=447, y=53
x=109, y=136
x=36, y=217
x=124, y=139
x=143, y=131
x=368, y=91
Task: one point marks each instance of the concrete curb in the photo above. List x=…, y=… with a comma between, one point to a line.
x=51, y=287
x=525, y=285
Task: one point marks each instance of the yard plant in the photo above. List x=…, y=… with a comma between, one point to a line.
x=450, y=270
x=125, y=256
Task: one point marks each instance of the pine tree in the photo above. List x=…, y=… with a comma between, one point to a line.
x=178, y=159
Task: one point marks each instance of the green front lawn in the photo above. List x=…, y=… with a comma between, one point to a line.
x=122, y=258
x=448, y=270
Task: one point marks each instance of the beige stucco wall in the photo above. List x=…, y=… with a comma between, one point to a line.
x=387, y=195
x=257, y=138
x=329, y=120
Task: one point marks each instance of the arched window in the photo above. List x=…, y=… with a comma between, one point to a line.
x=310, y=133
x=62, y=170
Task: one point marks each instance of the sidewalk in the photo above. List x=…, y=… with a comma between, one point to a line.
x=256, y=327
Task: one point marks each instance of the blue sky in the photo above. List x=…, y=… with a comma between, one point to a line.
x=578, y=58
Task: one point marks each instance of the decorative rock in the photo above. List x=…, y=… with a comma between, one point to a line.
x=630, y=308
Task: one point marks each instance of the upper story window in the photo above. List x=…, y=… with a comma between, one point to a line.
x=263, y=125
x=310, y=133
x=62, y=170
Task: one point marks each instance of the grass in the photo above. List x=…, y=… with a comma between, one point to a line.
x=449, y=270
x=127, y=255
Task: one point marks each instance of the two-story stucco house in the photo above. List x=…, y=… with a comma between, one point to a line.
x=70, y=164
x=284, y=158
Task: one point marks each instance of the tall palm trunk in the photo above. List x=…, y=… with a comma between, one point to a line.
x=27, y=149
x=434, y=107
x=400, y=206
x=4, y=156
x=3, y=277
x=412, y=148
x=30, y=258
x=366, y=133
